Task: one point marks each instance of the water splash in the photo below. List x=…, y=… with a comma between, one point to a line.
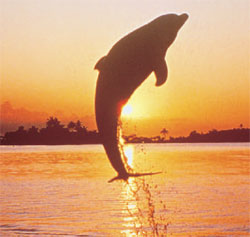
x=146, y=216
x=143, y=212
x=121, y=148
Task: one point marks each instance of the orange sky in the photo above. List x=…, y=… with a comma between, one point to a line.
x=49, y=49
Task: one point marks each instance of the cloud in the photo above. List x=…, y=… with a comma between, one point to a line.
x=13, y=115
x=11, y=118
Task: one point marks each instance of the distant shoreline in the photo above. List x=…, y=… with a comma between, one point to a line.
x=226, y=136
x=75, y=133
x=160, y=143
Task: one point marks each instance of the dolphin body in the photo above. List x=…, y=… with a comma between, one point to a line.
x=129, y=62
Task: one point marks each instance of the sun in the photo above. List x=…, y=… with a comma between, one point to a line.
x=127, y=110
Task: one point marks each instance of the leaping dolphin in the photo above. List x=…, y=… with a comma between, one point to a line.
x=129, y=62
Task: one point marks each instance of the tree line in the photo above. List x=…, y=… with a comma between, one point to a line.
x=56, y=133
x=213, y=136
x=231, y=135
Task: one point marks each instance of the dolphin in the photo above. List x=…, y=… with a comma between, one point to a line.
x=129, y=62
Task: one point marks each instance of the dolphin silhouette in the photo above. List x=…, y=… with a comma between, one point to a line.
x=129, y=62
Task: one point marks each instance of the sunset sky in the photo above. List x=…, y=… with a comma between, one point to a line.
x=49, y=49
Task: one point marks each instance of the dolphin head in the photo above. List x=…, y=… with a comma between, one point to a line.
x=171, y=22
x=167, y=27
x=182, y=19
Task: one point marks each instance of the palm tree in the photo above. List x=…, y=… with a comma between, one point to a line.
x=80, y=128
x=78, y=125
x=54, y=123
x=164, y=132
x=71, y=126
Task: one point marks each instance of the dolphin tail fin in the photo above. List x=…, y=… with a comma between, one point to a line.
x=125, y=178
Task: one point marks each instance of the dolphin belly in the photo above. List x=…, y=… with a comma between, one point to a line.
x=108, y=109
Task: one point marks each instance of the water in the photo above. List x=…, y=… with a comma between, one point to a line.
x=63, y=190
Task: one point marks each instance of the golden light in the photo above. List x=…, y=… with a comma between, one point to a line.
x=127, y=110
x=128, y=151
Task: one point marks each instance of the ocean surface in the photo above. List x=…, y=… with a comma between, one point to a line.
x=203, y=190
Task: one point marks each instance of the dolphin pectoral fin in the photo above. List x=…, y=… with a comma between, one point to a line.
x=125, y=178
x=100, y=64
x=161, y=72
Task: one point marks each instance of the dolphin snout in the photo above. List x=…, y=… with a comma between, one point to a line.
x=184, y=16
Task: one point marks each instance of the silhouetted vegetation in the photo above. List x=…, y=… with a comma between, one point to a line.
x=232, y=135
x=56, y=133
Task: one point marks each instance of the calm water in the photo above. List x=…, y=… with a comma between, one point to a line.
x=63, y=190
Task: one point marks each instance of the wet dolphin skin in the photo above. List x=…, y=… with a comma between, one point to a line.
x=129, y=62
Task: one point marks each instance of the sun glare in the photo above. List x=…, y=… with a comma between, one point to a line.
x=127, y=110
x=128, y=151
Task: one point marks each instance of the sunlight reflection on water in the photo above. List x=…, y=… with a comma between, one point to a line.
x=128, y=151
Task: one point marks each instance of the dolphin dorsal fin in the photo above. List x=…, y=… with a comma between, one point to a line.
x=100, y=64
